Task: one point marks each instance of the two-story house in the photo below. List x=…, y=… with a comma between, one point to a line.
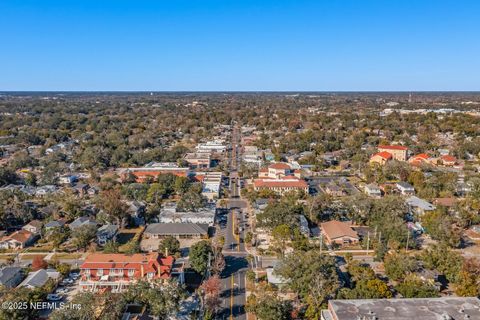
x=116, y=271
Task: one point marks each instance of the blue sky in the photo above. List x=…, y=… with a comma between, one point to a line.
x=240, y=45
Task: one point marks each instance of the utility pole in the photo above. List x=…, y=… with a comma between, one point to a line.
x=321, y=243
x=368, y=241
x=408, y=238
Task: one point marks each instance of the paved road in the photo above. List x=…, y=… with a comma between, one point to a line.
x=233, y=277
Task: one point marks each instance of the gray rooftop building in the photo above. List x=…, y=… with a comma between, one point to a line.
x=10, y=277
x=178, y=230
x=446, y=308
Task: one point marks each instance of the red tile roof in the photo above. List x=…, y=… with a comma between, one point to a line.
x=384, y=154
x=280, y=183
x=422, y=156
x=151, y=262
x=280, y=166
x=392, y=147
x=449, y=158
x=21, y=236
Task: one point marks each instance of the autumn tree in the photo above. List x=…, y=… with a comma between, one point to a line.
x=38, y=263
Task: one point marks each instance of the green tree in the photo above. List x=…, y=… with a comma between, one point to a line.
x=312, y=276
x=199, y=255
x=467, y=284
x=192, y=200
x=443, y=259
x=110, y=247
x=169, y=245
x=269, y=307
x=83, y=235
x=278, y=213
x=161, y=298
x=281, y=236
x=399, y=265
x=181, y=185
x=367, y=289
x=155, y=194
x=414, y=287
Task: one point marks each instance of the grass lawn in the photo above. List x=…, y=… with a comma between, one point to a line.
x=32, y=256
x=66, y=256
x=44, y=248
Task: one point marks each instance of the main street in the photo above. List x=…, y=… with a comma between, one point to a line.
x=233, y=277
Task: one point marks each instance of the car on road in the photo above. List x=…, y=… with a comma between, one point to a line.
x=53, y=297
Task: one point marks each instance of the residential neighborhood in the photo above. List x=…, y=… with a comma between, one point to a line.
x=233, y=216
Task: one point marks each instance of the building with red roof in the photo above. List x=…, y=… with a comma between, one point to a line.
x=281, y=185
x=17, y=240
x=398, y=152
x=152, y=171
x=116, y=271
x=381, y=157
x=419, y=159
x=448, y=160
x=276, y=170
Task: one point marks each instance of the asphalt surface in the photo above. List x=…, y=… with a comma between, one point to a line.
x=233, y=277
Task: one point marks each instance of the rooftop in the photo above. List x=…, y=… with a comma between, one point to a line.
x=384, y=155
x=406, y=309
x=393, y=147
x=177, y=228
x=336, y=229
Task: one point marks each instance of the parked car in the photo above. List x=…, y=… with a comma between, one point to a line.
x=54, y=297
x=61, y=290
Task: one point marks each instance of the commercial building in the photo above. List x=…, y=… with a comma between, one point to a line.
x=282, y=185
x=153, y=170
x=170, y=214
x=445, y=308
x=212, y=146
x=198, y=160
x=177, y=230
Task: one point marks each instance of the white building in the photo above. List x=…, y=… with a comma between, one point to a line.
x=212, y=146
x=212, y=182
x=169, y=214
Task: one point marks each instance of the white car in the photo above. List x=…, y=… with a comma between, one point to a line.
x=61, y=290
x=54, y=297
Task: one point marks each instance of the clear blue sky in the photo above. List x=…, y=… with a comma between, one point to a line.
x=240, y=45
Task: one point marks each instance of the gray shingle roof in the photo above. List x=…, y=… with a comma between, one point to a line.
x=8, y=273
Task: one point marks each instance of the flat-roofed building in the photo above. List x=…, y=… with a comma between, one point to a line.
x=153, y=170
x=445, y=308
x=170, y=214
x=282, y=185
x=212, y=146
x=177, y=230
x=198, y=160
